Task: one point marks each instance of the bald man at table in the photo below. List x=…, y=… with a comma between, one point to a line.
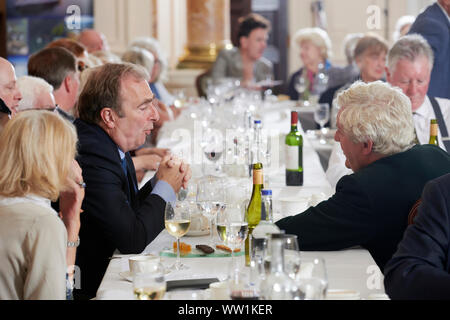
x=370, y=207
x=117, y=112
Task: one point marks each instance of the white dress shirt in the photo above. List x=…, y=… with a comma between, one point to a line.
x=422, y=116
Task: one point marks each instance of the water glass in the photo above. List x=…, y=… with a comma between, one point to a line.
x=312, y=279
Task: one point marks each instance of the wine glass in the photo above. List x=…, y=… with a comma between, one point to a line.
x=150, y=285
x=322, y=116
x=301, y=85
x=312, y=278
x=291, y=255
x=210, y=199
x=213, y=147
x=177, y=219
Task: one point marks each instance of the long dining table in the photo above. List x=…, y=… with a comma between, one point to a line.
x=351, y=270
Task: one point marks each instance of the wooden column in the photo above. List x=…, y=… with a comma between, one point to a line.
x=208, y=31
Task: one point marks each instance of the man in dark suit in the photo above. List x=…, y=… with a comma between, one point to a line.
x=420, y=269
x=434, y=25
x=370, y=207
x=116, y=110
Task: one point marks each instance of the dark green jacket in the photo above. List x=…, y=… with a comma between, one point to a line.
x=370, y=207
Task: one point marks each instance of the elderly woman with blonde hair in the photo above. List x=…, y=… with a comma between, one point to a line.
x=315, y=52
x=38, y=247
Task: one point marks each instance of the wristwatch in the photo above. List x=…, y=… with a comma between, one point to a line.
x=73, y=244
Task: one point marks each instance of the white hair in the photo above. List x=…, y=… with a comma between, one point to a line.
x=410, y=47
x=402, y=22
x=318, y=37
x=140, y=57
x=30, y=88
x=378, y=112
x=153, y=46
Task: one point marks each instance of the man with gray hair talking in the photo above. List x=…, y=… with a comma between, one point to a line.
x=370, y=207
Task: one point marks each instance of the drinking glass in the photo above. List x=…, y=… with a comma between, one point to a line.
x=177, y=219
x=213, y=148
x=291, y=255
x=236, y=228
x=150, y=285
x=312, y=278
x=301, y=85
x=322, y=116
x=210, y=200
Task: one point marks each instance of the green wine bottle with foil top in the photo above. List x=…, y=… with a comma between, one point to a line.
x=253, y=211
x=433, y=132
x=294, y=154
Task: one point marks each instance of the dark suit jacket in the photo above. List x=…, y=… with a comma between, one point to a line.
x=433, y=25
x=114, y=216
x=370, y=207
x=420, y=269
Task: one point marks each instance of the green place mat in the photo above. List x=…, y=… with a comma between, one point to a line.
x=195, y=253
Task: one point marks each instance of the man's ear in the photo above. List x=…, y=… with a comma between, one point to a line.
x=367, y=147
x=108, y=117
x=67, y=82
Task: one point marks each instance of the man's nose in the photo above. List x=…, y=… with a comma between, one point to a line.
x=412, y=88
x=154, y=114
x=18, y=95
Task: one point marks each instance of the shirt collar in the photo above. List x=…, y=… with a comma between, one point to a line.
x=121, y=153
x=30, y=198
x=424, y=108
x=443, y=10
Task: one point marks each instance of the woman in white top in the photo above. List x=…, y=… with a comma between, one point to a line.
x=37, y=166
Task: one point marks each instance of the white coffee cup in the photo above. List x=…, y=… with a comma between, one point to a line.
x=293, y=205
x=219, y=291
x=139, y=264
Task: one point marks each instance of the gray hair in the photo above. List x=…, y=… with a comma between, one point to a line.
x=378, y=112
x=350, y=42
x=140, y=57
x=410, y=47
x=152, y=45
x=30, y=87
x=318, y=37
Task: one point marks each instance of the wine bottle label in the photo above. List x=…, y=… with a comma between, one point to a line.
x=258, y=176
x=291, y=157
x=434, y=130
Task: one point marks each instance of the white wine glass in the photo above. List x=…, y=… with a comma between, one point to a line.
x=150, y=285
x=322, y=116
x=177, y=219
x=210, y=200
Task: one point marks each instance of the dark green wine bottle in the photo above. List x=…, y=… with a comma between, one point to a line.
x=253, y=211
x=294, y=154
x=433, y=132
